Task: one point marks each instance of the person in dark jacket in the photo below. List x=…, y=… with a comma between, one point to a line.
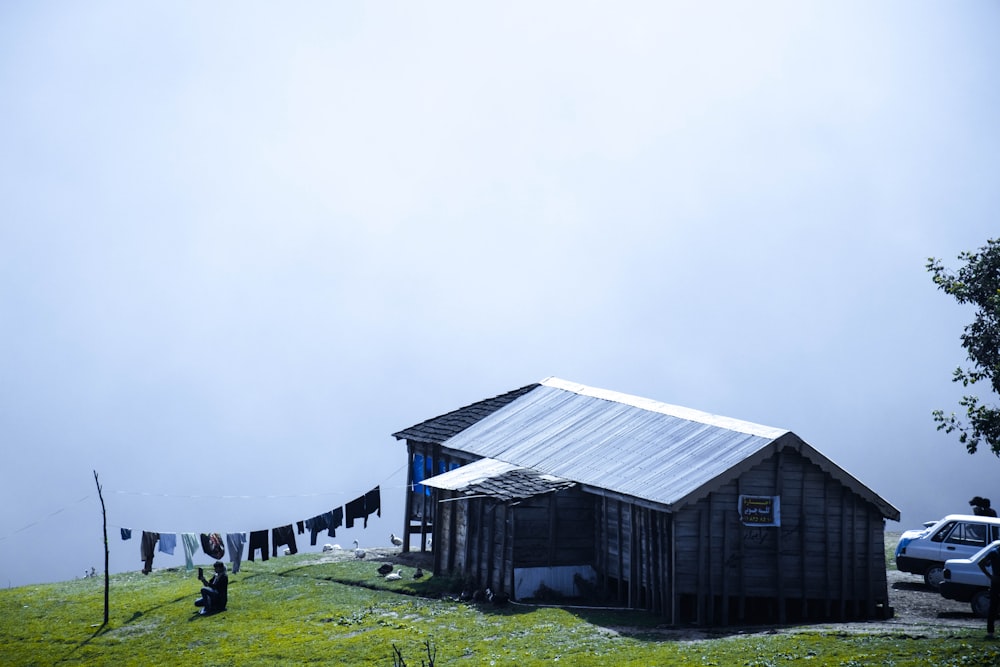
x=981, y=507
x=214, y=593
x=990, y=565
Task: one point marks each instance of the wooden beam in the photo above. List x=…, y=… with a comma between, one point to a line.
x=408, y=504
x=621, y=551
x=843, y=554
x=699, y=586
x=742, y=605
x=778, y=487
x=723, y=568
x=603, y=557
x=452, y=537
x=803, y=517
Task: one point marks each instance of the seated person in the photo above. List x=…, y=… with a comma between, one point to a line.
x=215, y=593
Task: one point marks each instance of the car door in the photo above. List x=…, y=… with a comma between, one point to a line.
x=965, y=538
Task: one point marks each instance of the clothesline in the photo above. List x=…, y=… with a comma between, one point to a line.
x=46, y=518
x=264, y=497
x=283, y=535
x=244, y=497
x=197, y=497
x=178, y=532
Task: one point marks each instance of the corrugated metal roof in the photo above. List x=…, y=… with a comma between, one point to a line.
x=497, y=479
x=625, y=444
x=614, y=441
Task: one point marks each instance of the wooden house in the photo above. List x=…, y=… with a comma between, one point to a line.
x=559, y=491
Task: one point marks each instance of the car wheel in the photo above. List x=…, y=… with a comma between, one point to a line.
x=980, y=603
x=934, y=576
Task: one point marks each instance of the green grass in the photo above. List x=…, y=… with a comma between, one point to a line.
x=296, y=610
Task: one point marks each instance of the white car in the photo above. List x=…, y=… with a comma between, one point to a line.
x=924, y=551
x=965, y=582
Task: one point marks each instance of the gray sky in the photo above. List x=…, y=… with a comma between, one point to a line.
x=241, y=245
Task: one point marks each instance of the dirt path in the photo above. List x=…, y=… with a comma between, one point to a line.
x=919, y=611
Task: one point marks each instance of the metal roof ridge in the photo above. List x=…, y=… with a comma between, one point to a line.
x=648, y=404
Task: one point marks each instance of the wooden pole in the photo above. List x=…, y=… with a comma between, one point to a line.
x=107, y=579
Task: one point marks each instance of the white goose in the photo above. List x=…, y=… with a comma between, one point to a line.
x=358, y=551
x=396, y=541
x=394, y=576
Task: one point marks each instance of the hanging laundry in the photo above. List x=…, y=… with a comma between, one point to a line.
x=146, y=548
x=190, y=541
x=235, y=542
x=373, y=503
x=361, y=508
x=168, y=541
x=354, y=510
x=283, y=536
x=258, y=540
x=300, y=526
x=126, y=533
x=211, y=544
x=419, y=475
x=336, y=521
x=328, y=521
x=317, y=524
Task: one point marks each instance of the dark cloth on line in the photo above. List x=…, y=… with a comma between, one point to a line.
x=258, y=540
x=373, y=503
x=147, y=546
x=300, y=526
x=317, y=524
x=283, y=536
x=126, y=533
x=336, y=521
x=361, y=508
x=354, y=510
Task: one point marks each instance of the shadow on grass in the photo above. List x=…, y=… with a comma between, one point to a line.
x=198, y=616
x=430, y=587
x=635, y=624
x=107, y=627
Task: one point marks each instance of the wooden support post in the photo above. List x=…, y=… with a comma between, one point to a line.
x=604, y=560
x=107, y=576
x=702, y=585
x=843, y=554
x=408, y=504
x=779, y=475
x=803, y=545
x=724, y=567
x=741, y=612
x=827, y=556
x=550, y=557
x=635, y=557
x=621, y=550
x=452, y=543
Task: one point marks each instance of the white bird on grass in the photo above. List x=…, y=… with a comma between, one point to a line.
x=396, y=541
x=394, y=576
x=358, y=551
x=327, y=548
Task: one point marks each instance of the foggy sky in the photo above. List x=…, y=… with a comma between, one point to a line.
x=242, y=244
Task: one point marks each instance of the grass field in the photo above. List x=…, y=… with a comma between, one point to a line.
x=304, y=609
